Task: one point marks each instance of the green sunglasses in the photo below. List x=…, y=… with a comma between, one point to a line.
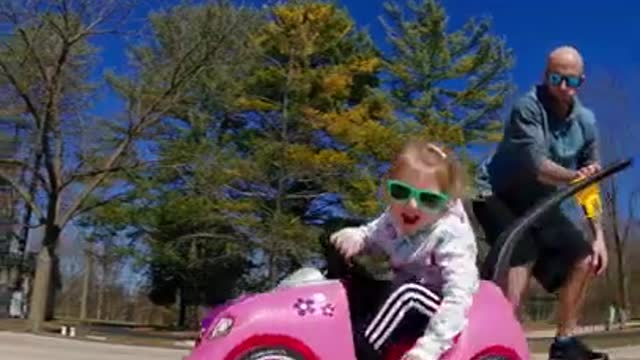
x=426, y=199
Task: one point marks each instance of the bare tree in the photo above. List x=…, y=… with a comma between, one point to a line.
x=46, y=58
x=615, y=108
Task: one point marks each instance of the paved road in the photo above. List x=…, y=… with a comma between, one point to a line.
x=583, y=330
x=621, y=353
x=31, y=347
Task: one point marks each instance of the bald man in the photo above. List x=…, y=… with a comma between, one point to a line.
x=549, y=141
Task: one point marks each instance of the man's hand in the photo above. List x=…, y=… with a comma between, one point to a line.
x=599, y=259
x=588, y=170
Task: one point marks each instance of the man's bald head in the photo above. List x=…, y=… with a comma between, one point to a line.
x=565, y=59
x=564, y=73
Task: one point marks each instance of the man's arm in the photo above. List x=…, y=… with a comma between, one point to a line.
x=599, y=259
x=588, y=160
x=596, y=227
x=551, y=173
x=526, y=132
x=588, y=163
x=590, y=152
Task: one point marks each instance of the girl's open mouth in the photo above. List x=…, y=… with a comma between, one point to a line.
x=410, y=219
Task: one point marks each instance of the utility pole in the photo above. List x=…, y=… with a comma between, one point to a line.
x=86, y=281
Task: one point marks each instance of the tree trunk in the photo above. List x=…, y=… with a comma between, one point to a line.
x=273, y=269
x=101, y=287
x=37, y=314
x=26, y=218
x=622, y=276
x=182, y=308
x=50, y=241
x=86, y=283
x=623, y=301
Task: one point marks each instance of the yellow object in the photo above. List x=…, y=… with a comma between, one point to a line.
x=590, y=200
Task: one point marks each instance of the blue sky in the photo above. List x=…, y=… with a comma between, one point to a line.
x=607, y=34
x=604, y=31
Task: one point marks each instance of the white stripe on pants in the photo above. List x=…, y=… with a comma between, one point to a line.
x=406, y=297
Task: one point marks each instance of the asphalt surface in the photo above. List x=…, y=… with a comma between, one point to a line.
x=14, y=346
x=621, y=353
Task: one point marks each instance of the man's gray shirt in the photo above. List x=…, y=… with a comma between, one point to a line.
x=532, y=134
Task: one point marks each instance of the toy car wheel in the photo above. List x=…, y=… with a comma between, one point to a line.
x=272, y=353
x=498, y=357
x=497, y=353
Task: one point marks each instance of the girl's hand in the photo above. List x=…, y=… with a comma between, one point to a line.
x=349, y=241
x=412, y=357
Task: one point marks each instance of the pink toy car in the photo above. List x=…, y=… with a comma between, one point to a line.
x=309, y=316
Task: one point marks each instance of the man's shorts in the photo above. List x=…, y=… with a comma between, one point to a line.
x=553, y=244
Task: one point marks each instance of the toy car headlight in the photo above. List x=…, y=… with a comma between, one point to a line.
x=222, y=327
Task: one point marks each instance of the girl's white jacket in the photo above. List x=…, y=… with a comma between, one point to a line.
x=441, y=257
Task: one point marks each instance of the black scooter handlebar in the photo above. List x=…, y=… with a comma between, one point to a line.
x=509, y=238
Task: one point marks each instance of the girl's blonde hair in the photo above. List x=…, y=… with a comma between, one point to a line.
x=427, y=155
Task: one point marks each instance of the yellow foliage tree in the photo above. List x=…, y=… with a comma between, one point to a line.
x=312, y=122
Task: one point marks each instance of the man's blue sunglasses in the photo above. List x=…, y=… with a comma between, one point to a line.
x=572, y=81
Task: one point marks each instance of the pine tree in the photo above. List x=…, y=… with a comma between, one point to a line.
x=313, y=86
x=438, y=85
x=447, y=85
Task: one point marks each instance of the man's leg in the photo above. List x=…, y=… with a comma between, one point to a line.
x=571, y=297
x=571, y=300
x=517, y=286
x=495, y=217
x=563, y=267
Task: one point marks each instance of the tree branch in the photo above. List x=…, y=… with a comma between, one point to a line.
x=630, y=219
x=247, y=193
x=77, y=203
x=206, y=235
x=24, y=194
x=217, y=236
x=22, y=164
x=85, y=209
x=146, y=118
x=306, y=196
x=38, y=60
x=21, y=92
x=80, y=175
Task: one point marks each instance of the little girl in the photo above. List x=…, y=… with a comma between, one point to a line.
x=432, y=249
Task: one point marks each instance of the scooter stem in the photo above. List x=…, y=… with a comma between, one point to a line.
x=509, y=238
